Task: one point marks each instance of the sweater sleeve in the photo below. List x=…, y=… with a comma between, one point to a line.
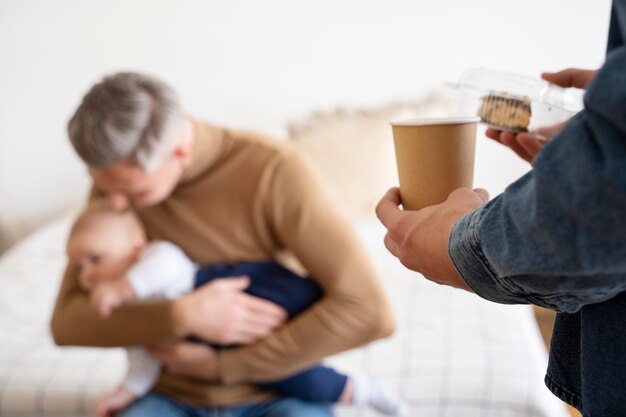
x=162, y=271
x=74, y=322
x=353, y=310
x=555, y=237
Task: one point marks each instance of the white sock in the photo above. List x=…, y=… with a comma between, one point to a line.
x=370, y=391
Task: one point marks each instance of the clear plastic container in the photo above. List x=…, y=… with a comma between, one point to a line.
x=549, y=104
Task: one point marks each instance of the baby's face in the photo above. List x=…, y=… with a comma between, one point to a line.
x=102, y=252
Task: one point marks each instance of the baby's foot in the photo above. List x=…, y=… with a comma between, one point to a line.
x=115, y=402
x=370, y=391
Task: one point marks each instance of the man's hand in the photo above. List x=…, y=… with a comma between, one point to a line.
x=570, y=77
x=419, y=239
x=194, y=360
x=220, y=312
x=528, y=144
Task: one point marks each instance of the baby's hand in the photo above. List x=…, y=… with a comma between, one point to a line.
x=86, y=281
x=115, y=402
x=108, y=296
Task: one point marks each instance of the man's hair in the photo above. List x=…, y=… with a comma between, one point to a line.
x=126, y=116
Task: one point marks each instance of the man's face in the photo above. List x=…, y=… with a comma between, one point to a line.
x=126, y=184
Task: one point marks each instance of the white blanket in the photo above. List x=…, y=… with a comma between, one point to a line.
x=453, y=355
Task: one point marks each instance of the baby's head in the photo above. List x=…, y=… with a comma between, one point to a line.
x=104, y=244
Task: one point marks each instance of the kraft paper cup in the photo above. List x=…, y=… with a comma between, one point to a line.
x=434, y=157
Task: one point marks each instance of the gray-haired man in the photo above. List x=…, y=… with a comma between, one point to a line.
x=223, y=196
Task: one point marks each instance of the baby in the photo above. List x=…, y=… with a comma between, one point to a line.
x=118, y=265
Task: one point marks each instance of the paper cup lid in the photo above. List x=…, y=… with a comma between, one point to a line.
x=435, y=121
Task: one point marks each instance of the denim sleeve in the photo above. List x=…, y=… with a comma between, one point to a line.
x=557, y=236
x=617, y=25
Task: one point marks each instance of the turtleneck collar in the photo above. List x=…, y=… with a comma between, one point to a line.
x=208, y=142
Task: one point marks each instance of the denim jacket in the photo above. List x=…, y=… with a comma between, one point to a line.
x=557, y=238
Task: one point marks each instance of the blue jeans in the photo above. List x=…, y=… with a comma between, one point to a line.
x=155, y=405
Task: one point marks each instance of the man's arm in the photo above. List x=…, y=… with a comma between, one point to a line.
x=74, y=322
x=354, y=309
x=556, y=236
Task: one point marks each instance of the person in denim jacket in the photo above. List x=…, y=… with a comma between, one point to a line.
x=556, y=237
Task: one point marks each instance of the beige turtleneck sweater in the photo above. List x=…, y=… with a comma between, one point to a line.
x=245, y=198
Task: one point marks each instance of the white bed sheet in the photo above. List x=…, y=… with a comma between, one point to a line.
x=453, y=355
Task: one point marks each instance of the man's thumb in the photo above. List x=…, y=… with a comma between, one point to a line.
x=483, y=194
x=570, y=77
x=239, y=283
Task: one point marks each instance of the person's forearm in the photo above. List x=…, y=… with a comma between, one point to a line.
x=556, y=236
x=566, y=292
x=74, y=322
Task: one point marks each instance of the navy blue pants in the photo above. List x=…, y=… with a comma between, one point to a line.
x=272, y=282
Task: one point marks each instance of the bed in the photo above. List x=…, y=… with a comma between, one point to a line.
x=453, y=355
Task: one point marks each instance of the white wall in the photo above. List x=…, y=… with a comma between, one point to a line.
x=257, y=64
